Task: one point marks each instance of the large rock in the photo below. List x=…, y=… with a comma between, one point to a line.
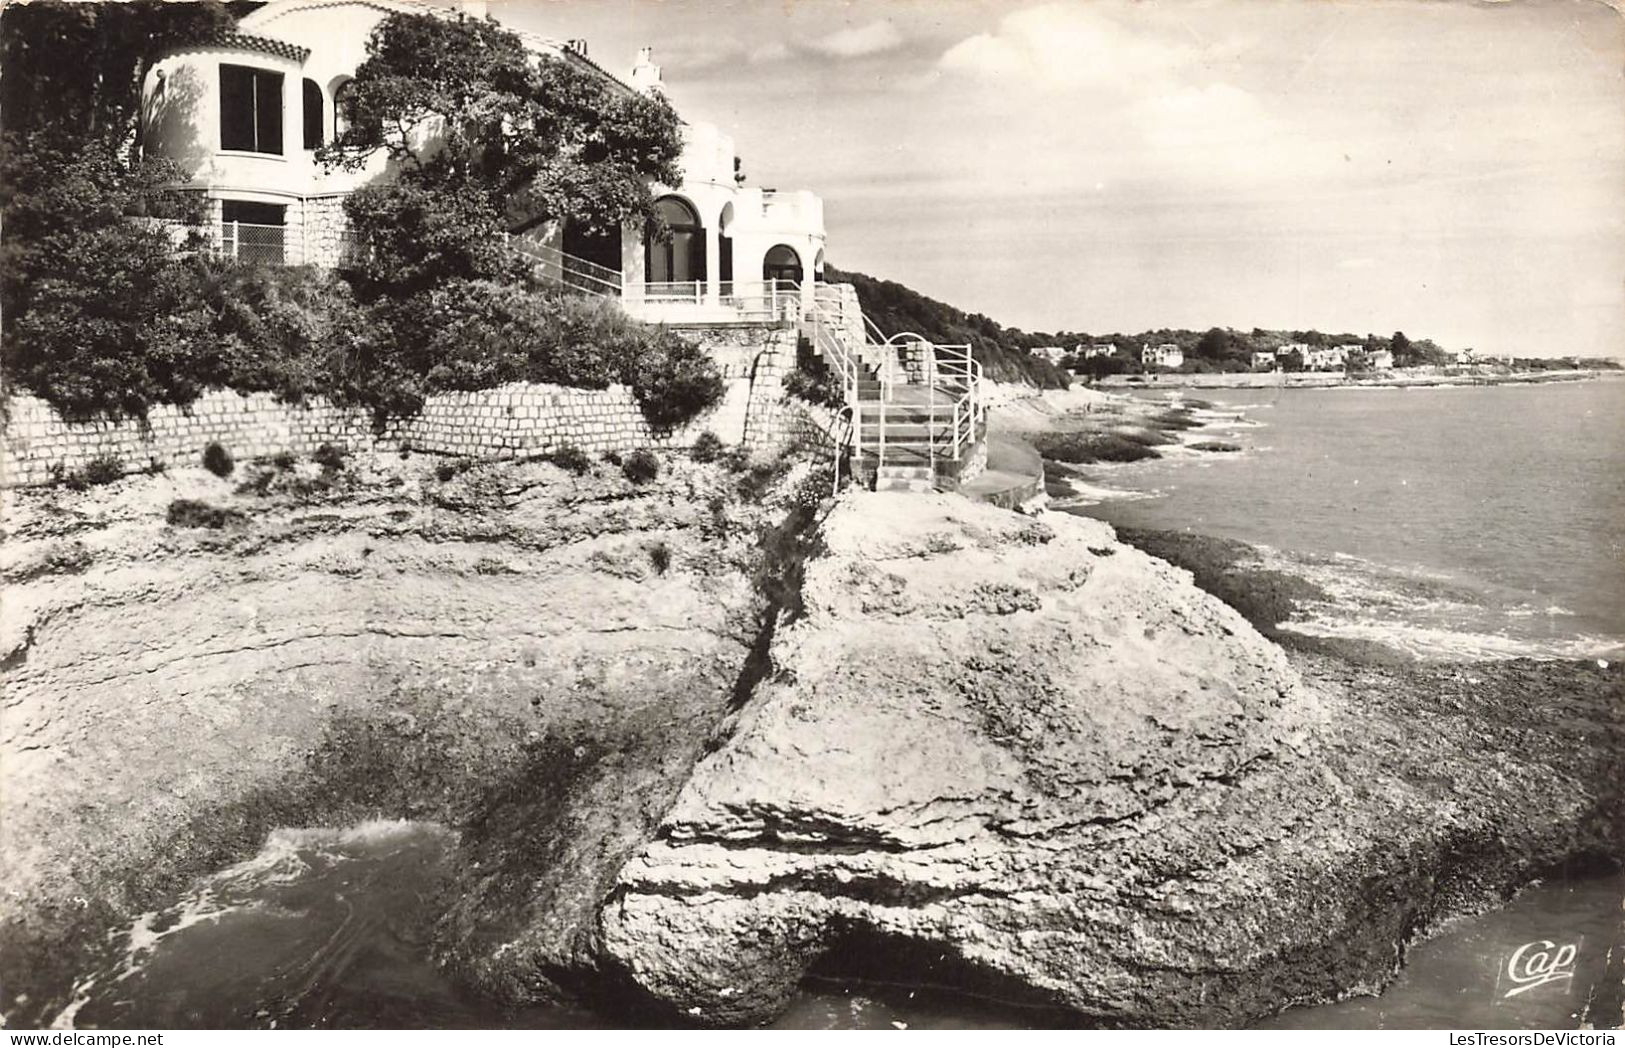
x=1025, y=758
x=533, y=658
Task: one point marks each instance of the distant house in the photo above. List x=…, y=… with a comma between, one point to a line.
x=1053, y=354
x=1300, y=348
x=1166, y=355
x=1381, y=359
x=1263, y=358
x=1326, y=358
x=1098, y=349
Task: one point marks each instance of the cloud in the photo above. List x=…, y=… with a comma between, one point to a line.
x=1064, y=46
x=871, y=39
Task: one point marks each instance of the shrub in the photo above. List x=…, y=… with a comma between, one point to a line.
x=217, y=460
x=612, y=457
x=329, y=458
x=674, y=381
x=571, y=459
x=708, y=447
x=190, y=513
x=660, y=557
x=284, y=460
x=641, y=466
x=103, y=469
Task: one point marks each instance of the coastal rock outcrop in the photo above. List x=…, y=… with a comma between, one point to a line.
x=531, y=657
x=1023, y=758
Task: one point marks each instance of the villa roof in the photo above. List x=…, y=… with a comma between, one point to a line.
x=444, y=9
x=249, y=42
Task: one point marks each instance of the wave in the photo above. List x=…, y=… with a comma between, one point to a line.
x=1432, y=643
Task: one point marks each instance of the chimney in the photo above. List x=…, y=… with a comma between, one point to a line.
x=578, y=46
x=645, y=74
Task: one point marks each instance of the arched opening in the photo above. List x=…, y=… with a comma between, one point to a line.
x=341, y=91
x=313, y=114
x=600, y=247
x=725, y=245
x=782, y=263
x=681, y=257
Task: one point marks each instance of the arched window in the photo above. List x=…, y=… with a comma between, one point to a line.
x=313, y=115
x=681, y=258
x=339, y=94
x=782, y=263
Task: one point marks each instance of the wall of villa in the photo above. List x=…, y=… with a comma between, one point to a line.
x=510, y=421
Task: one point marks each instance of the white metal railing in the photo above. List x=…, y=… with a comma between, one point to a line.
x=551, y=266
x=953, y=411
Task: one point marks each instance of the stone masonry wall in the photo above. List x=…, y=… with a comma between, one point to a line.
x=505, y=422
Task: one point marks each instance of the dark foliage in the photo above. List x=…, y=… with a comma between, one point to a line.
x=641, y=466
x=191, y=513
x=708, y=447
x=217, y=460
x=571, y=459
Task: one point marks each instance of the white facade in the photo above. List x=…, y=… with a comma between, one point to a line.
x=1167, y=355
x=1053, y=354
x=291, y=52
x=1098, y=349
x=1382, y=359
x=1264, y=359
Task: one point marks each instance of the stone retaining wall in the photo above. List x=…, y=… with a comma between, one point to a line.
x=506, y=422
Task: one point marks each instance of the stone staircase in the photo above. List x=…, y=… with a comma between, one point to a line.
x=917, y=422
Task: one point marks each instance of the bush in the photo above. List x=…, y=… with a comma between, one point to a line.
x=571, y=459
x=103, y=469
x=674, y=381
x=660, y=557
x=217, y=460
x=641, y=466
x=330, y=458
x=708, y=447
x=284, y=460
x=190, y=513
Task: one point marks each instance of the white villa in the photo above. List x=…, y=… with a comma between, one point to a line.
x=1167, y=355
x=244, y=112
x=1264, y=358
x=1326, y=358
x=1099, y=349
x=1382, y=359
x=1053, y=354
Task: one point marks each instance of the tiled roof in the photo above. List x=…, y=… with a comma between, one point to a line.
x=246, y=42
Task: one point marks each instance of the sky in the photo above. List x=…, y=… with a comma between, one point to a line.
x=1455, y=170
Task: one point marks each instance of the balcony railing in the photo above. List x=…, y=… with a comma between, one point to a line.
x=745, y=300
x=555, y=268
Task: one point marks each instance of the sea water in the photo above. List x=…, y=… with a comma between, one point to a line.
x=1470, y=522
x=333, y=929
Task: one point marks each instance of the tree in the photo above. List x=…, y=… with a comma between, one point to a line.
x=1214, y=345
x=99, y=316
x=1401, y=348
x=483, y=137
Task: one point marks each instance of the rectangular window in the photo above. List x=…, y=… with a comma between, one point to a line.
x=250, y=109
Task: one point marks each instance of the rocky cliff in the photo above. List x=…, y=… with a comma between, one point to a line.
x=533, y=657
x=1025, y=759
x=958, y=745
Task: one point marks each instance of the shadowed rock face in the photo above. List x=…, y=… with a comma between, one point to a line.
x=1054, y=765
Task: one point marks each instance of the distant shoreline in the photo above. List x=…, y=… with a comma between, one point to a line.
x=1335, y=380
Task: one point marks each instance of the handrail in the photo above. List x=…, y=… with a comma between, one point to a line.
x=945, y=369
